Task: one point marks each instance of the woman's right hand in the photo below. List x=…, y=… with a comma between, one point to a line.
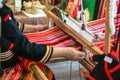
x=68, y=53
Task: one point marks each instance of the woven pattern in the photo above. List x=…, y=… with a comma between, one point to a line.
x=18, y=72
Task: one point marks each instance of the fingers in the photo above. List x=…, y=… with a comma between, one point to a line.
x=82, y=55
x=69, y=53
x=75, y=54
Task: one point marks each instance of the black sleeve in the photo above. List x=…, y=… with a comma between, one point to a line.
x=22, y=46
x=31, y=50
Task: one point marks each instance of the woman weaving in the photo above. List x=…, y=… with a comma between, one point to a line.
x=14, y=45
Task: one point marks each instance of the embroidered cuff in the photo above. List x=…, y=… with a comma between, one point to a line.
x=6, y=55
x=47, y=55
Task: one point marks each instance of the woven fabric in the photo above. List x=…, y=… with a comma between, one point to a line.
x=18, y=72
x=57, y=38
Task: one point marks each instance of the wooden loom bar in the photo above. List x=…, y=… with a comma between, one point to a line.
x=107, y=31
x=87, y=64
x=37, y=73
x=71, y=32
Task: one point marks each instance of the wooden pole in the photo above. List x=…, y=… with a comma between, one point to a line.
x=107, y=31
x=87, y=64
x=32, y=67
x=38, y=74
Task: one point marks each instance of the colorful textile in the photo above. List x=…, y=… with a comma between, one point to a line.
x=73, y=7
x=64, y=4
x=57, y=38
x=89, y=7
x=18, y=71
x=54, y=37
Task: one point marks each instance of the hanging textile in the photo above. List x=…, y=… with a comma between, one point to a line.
x=95, y=9
x=72, y=8
x=89, y=7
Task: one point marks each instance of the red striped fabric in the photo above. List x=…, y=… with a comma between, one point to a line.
x=57, y=38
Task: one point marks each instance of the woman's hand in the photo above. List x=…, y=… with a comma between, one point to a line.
x=73, y=54
x=68, y=53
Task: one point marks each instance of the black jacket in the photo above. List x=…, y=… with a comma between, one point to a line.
x=22, y=46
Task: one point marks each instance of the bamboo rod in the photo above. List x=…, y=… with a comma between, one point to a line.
x=38, y=74
x=87, y=64
x=107, y=31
